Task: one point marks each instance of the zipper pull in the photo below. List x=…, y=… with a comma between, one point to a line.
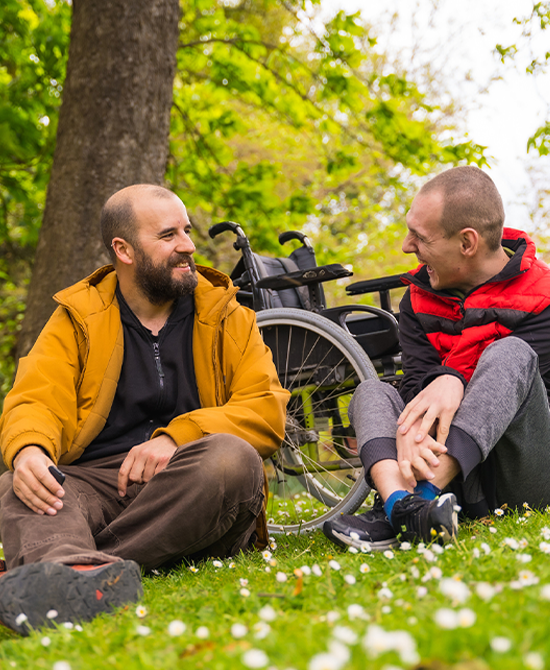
x=158, y=363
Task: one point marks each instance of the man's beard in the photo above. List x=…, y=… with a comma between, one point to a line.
x=156, y=281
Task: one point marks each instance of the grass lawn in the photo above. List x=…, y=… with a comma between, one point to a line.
x=483, y=602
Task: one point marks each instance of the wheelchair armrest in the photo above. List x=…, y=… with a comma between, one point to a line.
x=303, y=278
x=376, y=330
x=376, y=285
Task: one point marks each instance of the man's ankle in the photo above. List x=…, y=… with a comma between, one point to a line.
x=427, y=490
x=392, y=499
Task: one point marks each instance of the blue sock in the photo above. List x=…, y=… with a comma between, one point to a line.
x=427, y=490
x=392, y=499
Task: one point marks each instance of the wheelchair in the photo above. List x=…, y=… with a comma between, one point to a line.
x=321, y=355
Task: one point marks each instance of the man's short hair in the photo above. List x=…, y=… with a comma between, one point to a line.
x=118, y=217
x=470, y=200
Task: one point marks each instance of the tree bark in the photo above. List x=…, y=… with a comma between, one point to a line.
x=113, y=131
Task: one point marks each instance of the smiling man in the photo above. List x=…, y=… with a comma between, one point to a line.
x=152, y=391
x=470, y=425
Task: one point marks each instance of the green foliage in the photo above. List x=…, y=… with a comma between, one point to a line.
x=541, y=140
x=279, y=122
x=493, y=585
x=276, y=119
x=532, y=27
x=34, y=37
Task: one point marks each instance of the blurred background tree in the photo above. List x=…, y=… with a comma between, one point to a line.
x=279, y=120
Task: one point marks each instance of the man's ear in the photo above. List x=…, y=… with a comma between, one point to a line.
x=123, y=250
x=469, y=241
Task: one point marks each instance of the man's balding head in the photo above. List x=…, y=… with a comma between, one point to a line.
x=118, y=216
x=470, y=200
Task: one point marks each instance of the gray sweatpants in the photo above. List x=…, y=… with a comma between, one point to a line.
x=500, y=434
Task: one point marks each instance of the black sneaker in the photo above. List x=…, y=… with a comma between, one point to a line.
x=370, y=531
x=45, y=594
x=417, y=519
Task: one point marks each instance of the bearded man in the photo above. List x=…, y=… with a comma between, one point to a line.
x=152, y=391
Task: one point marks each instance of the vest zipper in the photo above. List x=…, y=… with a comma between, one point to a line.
x=158, y=364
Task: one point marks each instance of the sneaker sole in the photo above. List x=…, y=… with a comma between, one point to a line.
x=38, y=590
x=444, y=509
x=343, y=540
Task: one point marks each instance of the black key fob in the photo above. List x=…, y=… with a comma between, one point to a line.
x=59, y=476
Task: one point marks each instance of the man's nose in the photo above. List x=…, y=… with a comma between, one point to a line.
x=185, y=245
x=408, y=246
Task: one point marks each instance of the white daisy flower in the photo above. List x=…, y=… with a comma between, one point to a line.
x=255, y=658
x=324, y=661
x=454, y=589
x=141, y=611
x=176, y=628
x=261, y=630
x=446, y=618
x=345, y=634
x=501, y=644
x=356, y=611
x=485, y=591
x=466, y=618
x=533, y=660
x=238, y=630
x=267, y=613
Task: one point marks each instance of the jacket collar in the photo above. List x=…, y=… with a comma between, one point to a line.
x=516, y=240
x=96, y=293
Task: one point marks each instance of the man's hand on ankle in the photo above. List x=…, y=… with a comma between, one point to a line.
x=417, y=460
x=33, y=484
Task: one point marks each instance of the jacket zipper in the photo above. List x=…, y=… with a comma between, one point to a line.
x=159, y=365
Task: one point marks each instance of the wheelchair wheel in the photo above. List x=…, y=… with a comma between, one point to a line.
x=317, y=473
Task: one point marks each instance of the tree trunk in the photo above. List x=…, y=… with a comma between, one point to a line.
x=113, y=131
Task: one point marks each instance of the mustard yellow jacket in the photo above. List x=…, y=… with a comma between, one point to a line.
x=65, y=387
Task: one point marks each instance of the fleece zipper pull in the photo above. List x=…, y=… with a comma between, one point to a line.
x=158, y=364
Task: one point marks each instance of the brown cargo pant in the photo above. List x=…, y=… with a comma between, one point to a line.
x=204, y=503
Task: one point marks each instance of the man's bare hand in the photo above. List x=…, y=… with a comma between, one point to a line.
x=144, y=461
x=33, y=484
x=416, y=459
x=436, y=405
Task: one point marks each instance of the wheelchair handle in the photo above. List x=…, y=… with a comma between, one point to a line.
x=218, y=228
x=294, y=235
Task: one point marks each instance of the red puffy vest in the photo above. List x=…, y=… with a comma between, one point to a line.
x=461, y=328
